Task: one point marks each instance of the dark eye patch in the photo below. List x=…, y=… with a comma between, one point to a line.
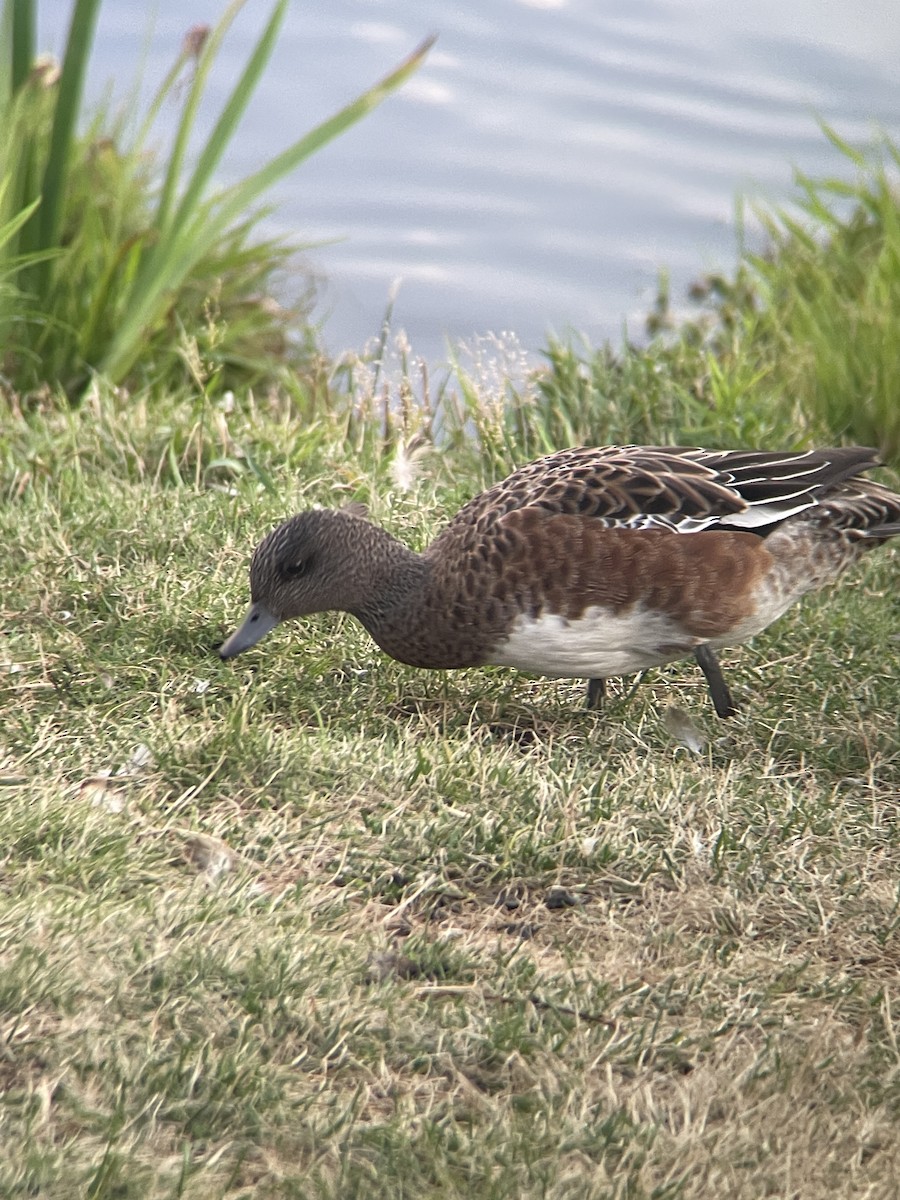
x=295, y=569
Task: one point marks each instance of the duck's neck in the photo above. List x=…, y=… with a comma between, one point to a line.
x=407, y=610
x=394, y=609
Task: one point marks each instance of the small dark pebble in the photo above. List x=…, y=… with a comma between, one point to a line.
x=507, y=900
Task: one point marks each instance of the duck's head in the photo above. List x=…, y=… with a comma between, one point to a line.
x=318, y=561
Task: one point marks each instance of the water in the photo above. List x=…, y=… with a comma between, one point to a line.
x=550, y=157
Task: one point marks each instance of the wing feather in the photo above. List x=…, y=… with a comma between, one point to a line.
x=672, y=487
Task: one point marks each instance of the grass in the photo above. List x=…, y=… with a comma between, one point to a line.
x=806, y=334
x=798, y=347
x=313, y=924
x=111, y=258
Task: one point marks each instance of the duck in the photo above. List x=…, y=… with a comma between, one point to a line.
x=589, y=562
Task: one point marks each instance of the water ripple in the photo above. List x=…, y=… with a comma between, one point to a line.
x=550, y=157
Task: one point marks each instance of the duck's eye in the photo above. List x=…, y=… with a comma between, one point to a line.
x=296, y=568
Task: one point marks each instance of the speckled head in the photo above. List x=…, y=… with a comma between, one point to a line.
x=319, y=561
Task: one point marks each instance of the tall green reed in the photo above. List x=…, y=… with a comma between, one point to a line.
x=107, y=252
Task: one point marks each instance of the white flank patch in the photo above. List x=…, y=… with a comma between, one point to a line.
x=598, y=644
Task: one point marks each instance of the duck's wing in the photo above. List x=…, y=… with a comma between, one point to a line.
x=672, y=487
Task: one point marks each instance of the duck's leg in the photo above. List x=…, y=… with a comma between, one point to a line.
x=718, y=688
x=595, y=693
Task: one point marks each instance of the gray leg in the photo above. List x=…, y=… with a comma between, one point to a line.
x=595, y=693
x=718, y=688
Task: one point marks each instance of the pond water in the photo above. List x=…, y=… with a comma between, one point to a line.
x=548, y=160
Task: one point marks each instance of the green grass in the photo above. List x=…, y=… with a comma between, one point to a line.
x=114, y=262
x=806, y=335
x=799, y=346
x=279, y=928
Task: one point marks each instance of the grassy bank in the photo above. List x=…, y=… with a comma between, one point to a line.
x=317, y=925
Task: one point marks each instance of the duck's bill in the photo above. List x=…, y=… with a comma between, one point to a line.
x=257, y=623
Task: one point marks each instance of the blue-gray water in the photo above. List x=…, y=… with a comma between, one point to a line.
x=550, y=157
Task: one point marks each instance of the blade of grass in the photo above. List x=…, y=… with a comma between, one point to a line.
x=7, y=50
x=68, y=106
x=24, y=25
x=249, y=189
x=189, y=113
x=10, y=228
x=176, y=253
x=164, y=90
x=221, y=135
